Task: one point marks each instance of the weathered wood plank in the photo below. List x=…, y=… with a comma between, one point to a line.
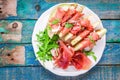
x=113, y=30
x=32, y=9
x=110, y=55
x=27, y=29
x=40, y=73
x=30, y=58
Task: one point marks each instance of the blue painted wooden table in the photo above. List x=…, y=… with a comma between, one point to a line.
x=29, y=11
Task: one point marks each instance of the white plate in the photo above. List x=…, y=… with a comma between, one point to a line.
x=70, y=71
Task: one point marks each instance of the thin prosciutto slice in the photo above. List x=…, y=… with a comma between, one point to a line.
x=81, y=61
x=65, y=55
x=86, y=23
x=75, y=17
x=64, y=31
x=58, y=16
x=75, y=29
x=60, y=13
x=68, y=15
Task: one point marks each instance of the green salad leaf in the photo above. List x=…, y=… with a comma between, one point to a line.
x=56, y=21
x=91, y=39
x=45, y=45
x=68, y=25
x=91, y=53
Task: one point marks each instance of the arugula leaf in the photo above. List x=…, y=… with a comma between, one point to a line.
x=68, y=25
x=91, y=53
x=91, y=39
x=48, y=27
x=55, y=37
x=56, y=21
x=94, y=57
x=45, y=45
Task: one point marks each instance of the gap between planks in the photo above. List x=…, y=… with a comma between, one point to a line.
x=98, y=65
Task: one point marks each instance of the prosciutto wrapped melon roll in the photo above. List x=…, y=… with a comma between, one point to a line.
x=62, y=17
x=57, y=17
x=90, y=40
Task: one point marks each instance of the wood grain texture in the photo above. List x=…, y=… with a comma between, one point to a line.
x=40, y=73
x=12, y=56
x=30, y=10
x=27, y=30
x=113, y=30
x=26, y=9
x=110, y=55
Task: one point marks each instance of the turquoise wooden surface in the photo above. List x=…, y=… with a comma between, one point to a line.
x=112, y=51
x=106, y=9
x=113, y=27
x=29, y=11
x=40, y=73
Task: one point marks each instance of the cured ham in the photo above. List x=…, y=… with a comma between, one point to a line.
x=84, y=33
x=75, y=29
x=65, y=56
x=85, y=24
x=81, y=61
x=70, y=19
x=64, y=31
x=76, y=33
x=68, y=15
x=90, y=40
x=80, y=37
x=75, y=17
x=60, y=13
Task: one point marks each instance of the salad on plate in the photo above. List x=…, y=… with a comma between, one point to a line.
x=69, y=38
